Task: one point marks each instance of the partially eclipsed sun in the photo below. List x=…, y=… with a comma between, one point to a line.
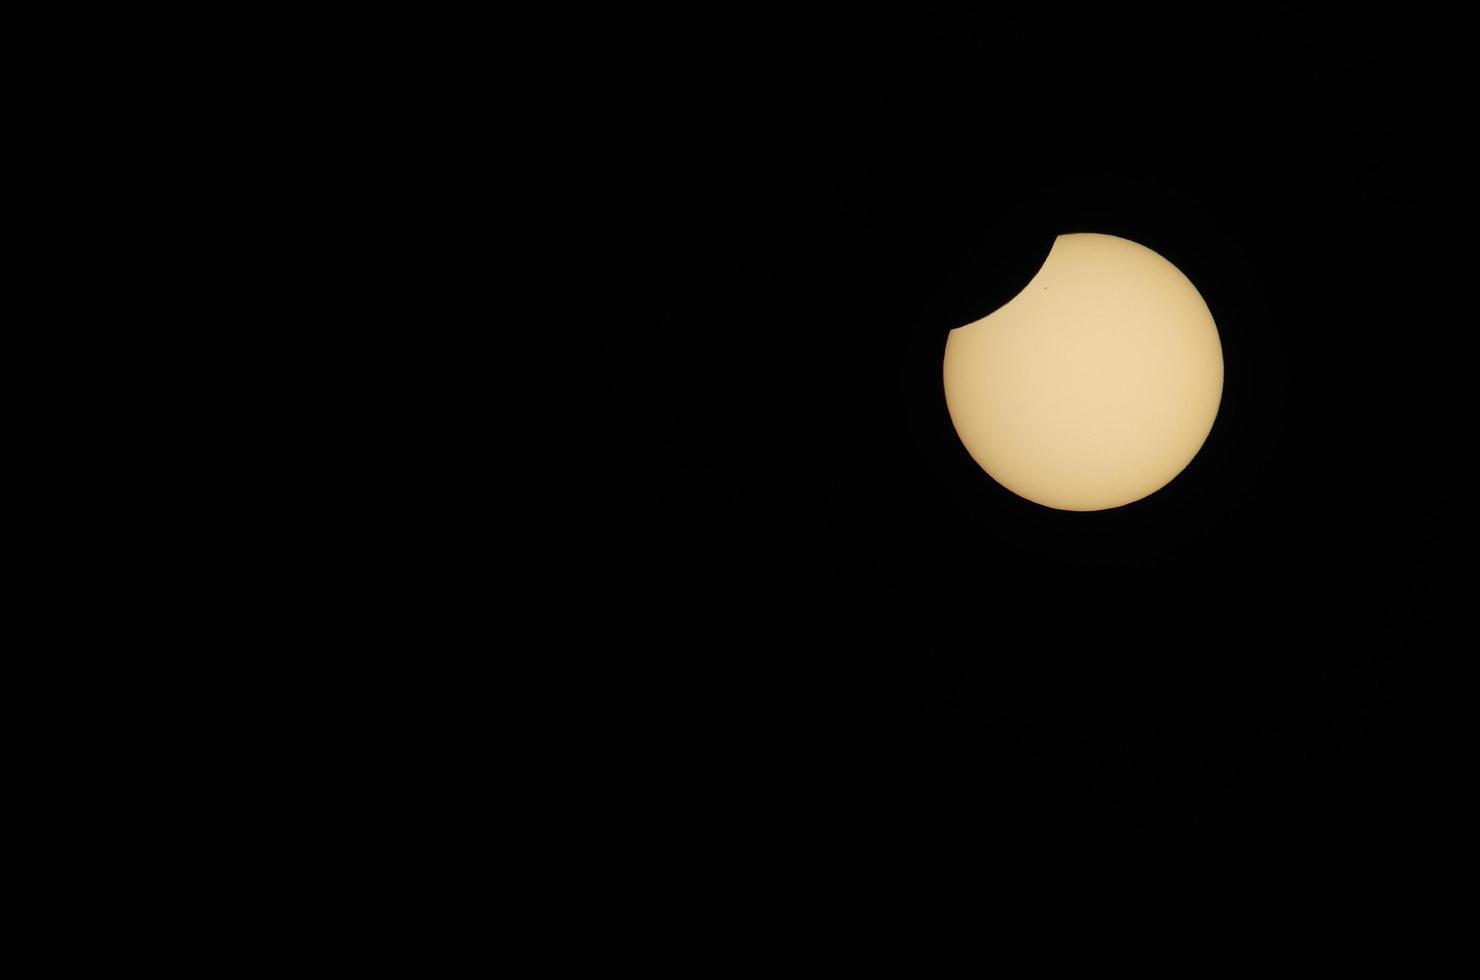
x=1093, y=387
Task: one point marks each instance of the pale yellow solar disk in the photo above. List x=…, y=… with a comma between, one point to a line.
x=1093, y=387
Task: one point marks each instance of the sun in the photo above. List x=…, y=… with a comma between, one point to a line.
x=1093, y=387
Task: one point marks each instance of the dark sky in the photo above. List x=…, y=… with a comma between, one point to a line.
x=823, y=625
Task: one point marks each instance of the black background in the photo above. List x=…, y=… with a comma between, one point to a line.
x=820, y=628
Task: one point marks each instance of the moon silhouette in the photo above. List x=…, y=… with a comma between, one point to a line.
x=1094, y=386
